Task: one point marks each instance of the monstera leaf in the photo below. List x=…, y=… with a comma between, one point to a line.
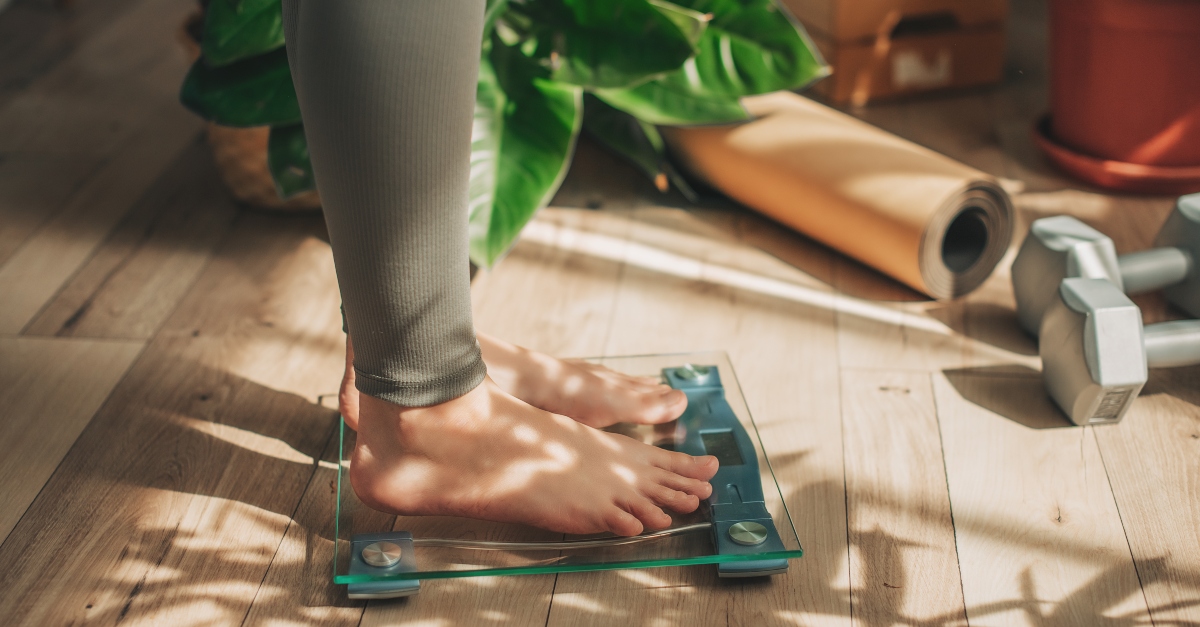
x=750, y=47
x=691, y=23
x=524, y=134
x=614, y=43
x=253, y=92
x=287, y=159
x=670, y=104
x=492, y=12
x=240, y=29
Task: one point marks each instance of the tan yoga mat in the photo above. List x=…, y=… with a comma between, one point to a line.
x=911, y=213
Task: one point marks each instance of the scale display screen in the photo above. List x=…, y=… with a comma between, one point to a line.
x=723, y=446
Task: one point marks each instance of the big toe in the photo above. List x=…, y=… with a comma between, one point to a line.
x=660, y=406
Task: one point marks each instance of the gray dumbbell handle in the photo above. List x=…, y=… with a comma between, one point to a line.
x=1154, y=269
x=1170, y=344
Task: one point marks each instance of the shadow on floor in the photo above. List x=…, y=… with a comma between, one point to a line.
x=1009, y=391
x=989, y=323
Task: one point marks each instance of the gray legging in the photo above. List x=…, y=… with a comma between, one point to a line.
x=387, y=92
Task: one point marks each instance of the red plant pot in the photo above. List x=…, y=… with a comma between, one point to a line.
x=1125, y=93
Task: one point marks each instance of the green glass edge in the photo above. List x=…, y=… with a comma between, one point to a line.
x=564, y=568
x=337, y=516
x=569, y=568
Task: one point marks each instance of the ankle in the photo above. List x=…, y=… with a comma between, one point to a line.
x=382, y=425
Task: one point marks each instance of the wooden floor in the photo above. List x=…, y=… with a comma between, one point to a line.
x=162, y=354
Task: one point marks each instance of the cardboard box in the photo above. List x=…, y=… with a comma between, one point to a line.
x=890, y=48
x=853, y=20
x=893, y=67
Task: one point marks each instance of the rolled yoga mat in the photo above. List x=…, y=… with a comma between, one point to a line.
x=907, y=211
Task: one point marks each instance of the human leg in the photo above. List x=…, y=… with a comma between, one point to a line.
x=387, y=91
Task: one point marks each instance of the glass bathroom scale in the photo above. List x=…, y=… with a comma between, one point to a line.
x=742, y=530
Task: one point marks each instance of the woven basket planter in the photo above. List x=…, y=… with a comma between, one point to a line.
x=241, y=156
x=241, y=153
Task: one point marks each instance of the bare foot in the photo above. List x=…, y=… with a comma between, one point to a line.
x=490, y=456
x=589, y=393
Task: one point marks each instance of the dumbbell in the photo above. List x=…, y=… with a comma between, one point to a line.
x=1061, y=247
x=1095, y=351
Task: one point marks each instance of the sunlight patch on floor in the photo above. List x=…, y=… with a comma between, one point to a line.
x=655, y=259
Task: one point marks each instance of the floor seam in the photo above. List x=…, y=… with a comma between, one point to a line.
x=1124, y=530
x=837, y=353
x=937, y=416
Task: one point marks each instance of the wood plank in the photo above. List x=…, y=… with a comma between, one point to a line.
x=690, y=286
x=35, y=273
x=171, y=505
x=96, y=99
x=1039, y=537
x=903, y=562
x=139, y=274
x=36, y=35
x=1153, y=462
x=49, y=390
x=714, y=602
x=521, y=600
x=33, y=189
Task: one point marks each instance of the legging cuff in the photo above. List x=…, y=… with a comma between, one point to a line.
x=422, y=394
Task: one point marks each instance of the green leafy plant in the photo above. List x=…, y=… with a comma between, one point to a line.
x=550, y=68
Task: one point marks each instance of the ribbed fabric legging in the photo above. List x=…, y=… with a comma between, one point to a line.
x=387, y=93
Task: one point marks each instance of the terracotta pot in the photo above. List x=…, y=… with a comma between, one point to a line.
x=1125, y=93
x=241, y=153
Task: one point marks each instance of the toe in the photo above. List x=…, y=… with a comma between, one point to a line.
x=700, y=489
x=701, y=467
x=659, y=407
x=674, y=500
x=650, y=514
x=622, y=522
x=673, y=402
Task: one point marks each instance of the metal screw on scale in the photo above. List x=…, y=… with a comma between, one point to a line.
x=748, y=533
x=692, y=372
x=382, y=554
